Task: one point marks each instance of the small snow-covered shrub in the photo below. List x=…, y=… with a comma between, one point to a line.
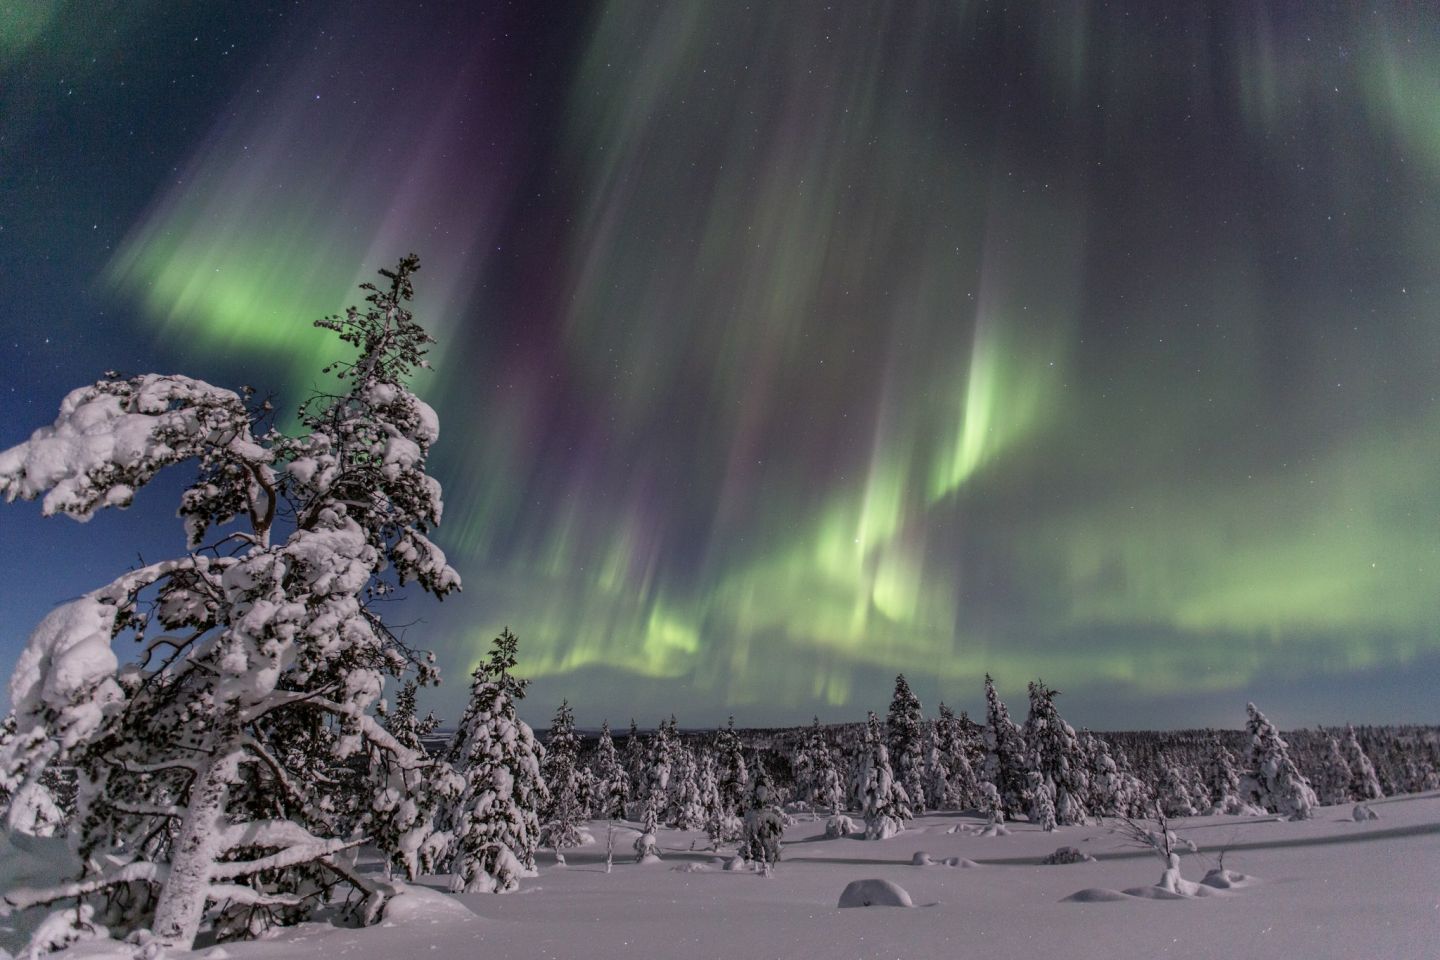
x=1362, y=812
x=1067, y=855
x=840, y=826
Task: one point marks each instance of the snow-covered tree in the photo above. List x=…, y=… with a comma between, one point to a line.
x=659, y=764
x=1332, y=785
x=760, y=839
x=1271, y=780
x=951, y=777
x=494, y=814
x=612, y=791
x=905, y=737
x=1055, y=753
x=1172, y=793
x=1222, y=782
x=718, y=824
x=730, y=768
x=1364, y=783
x=636, y=760
x=882, y=801
x=1004, y=754
x=562, y=815
x=686, y=805
x=817, y=782
x=403, y=720
x=258, y=656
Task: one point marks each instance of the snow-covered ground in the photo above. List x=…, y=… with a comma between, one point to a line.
x=1327, y=888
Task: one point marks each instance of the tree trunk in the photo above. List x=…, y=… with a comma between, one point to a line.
x=182, y=897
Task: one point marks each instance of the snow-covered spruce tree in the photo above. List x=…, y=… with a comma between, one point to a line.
x=905, y=735
x=659, y=765
x=1172, y=793
x=1271, y=779
x=403, y=817
x=258, y=656
x=686, y=807
x=1364, y=783
x=730, y=767
x=1332, y=785
x=612, y=782
x=560, y=769
x=1054, y=751
x=493, y=814
x=951, y=780
x=882, y=801
x=760, y=839
x=636, y=761
x=718, y=825
x=820, y=785
x=1222, y=783
x=1004, y=754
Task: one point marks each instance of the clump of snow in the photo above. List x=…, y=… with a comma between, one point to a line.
x=921, y=859
x=1362, y=812
x=1222, y=879
x=691, y=868
x=411, y=904
x=736, y=863
x=840, y=826
x=1096, y=895
x=995, y=828
x=1067, y=855
x=875, y=893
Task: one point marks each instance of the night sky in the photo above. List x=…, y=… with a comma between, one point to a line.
x=788, y=345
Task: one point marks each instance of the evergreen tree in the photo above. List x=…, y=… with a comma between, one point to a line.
x=659, y=763
x=1173, y=792
x=718, y=826
x=1055, y=753
x=687, y=809
x=226, y=768
x=562, y=815
x=403, y=817
x=494, y=813
x=1222, y=783
x=1004, y=754
x=817, y=781
x=1333, y=783
x=905, y=736
x=882, y=801
x=636, y=763
x=1271, y=779
x=1364, y=784
x=760, y=840
x=730, y=760
x=612, y=791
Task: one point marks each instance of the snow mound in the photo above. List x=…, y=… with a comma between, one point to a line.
x=1095, y=895
x=1154, y=893
x=736, y=863
x=1222, y=879
x=994, y=830
x=839, y=827
x=961, y=862
x=691, y=868
x=875, y=893
x=416, y=903
x=922, y=859
x=1362, y=812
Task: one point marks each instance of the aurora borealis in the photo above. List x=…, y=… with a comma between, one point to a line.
x=785, y=346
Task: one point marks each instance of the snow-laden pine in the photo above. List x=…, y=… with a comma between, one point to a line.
x=905, y=736
x=493, y=807
x=1270, y=779
x=881, y=799
x=225, y=767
